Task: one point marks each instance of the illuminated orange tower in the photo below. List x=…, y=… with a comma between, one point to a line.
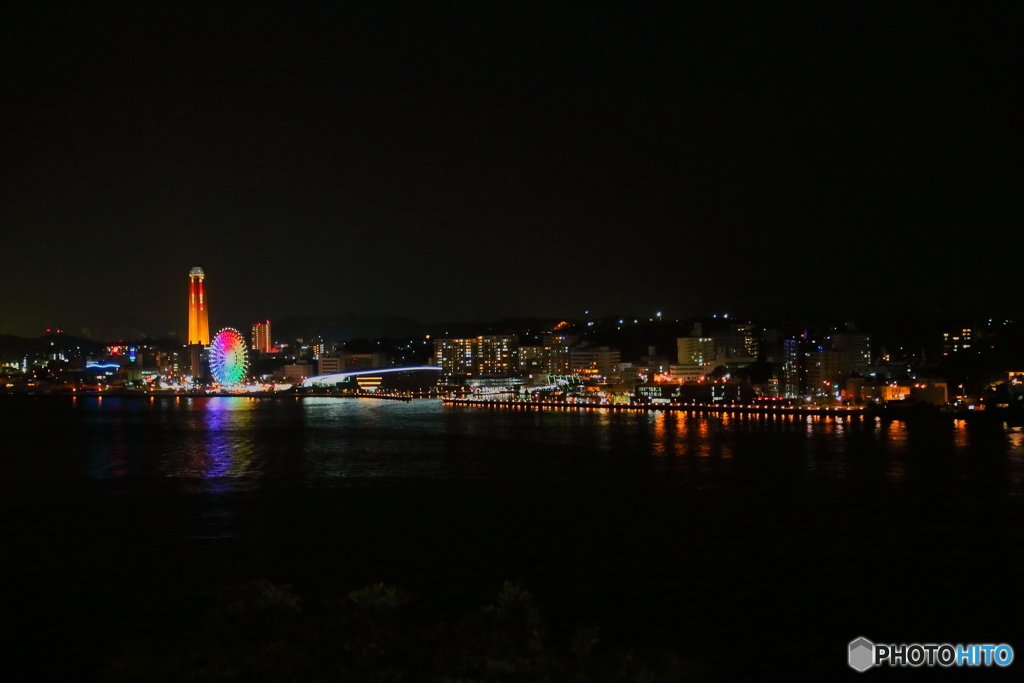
x=198, y=319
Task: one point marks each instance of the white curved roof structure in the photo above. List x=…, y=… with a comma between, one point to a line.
x=342, y=376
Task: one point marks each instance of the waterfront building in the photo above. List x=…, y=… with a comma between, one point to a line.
x=530, y=359
x=340, y=361
x=825, y=366
x=556, y=352
x=933, y=392
x=794, y=367
x=295, y=372
x=770, y=388
x=261, y=337
x=836, y=357
x=857, y=343
x=658, y=365
x=696, y=350
x=854, y=389
x=197, y=364
x=454, y=356
x=492, y=355
x=771, y=346
x=894, y=392
x=690, y=372
x=329, y=365
x=739, y=342
x=599, y=360
x=704, y=392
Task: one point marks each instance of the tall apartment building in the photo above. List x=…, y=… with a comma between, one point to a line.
x=771, y=346
x=600, y=360
x=531, y=359
x=859, y=344
x=556, y=360
x=825, y=366
x=261, y=337
x=957, y=340
x=838, y=355
x=493, y=355
x=794, y=367
x=319, y=347
x=698, y=357
x=739, y=342
x=696, y=350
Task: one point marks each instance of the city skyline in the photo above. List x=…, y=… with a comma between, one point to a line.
x=198, y=327
x=533, y=341
x=647, y=359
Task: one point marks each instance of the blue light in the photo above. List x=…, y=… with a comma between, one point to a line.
x=90, y=366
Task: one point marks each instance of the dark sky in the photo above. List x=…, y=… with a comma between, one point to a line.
x=449, y=162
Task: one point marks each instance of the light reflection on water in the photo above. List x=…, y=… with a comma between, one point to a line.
x=219, y=444
x=1016, y=438
x=894, y=434
x=960, y=435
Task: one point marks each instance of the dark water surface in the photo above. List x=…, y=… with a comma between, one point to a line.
x=719, y=538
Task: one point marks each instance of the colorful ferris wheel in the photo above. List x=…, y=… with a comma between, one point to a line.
x=228, y=358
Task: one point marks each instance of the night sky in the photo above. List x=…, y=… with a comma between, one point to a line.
x=448, y=162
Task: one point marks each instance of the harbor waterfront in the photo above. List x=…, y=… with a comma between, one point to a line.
x=1009, y=416
x=1012, y=416
x=128, y=517
x=508, y=342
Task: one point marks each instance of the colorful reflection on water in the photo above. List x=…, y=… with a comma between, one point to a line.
x=235, y=443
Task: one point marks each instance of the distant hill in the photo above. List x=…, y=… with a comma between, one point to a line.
x=343, y=327
x=13, y=347
x=519, y=326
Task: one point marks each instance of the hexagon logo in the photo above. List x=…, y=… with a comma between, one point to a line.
x=862, y=654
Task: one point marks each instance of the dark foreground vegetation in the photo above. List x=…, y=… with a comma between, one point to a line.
x=263, y=632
